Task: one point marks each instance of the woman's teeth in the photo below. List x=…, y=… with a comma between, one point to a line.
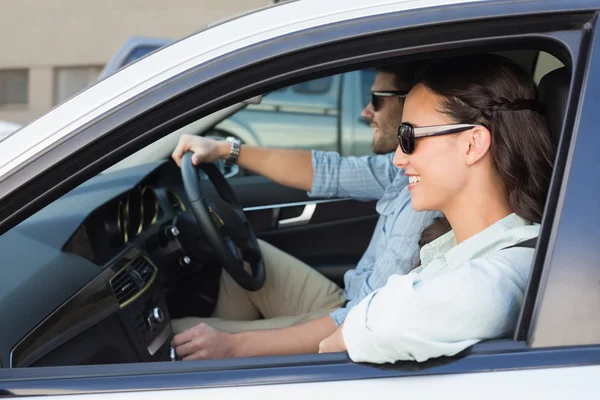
x=414, y=179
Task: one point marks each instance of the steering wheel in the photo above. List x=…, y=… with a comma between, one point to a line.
x=224, y=224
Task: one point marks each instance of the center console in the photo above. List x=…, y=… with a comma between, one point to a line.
x=144, y=314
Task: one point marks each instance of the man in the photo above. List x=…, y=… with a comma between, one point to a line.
x=299, y=307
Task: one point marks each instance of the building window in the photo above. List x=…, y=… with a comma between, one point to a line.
x=14, y=87
x=69, y=81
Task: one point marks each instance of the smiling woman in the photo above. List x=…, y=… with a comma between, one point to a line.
x=483, y=158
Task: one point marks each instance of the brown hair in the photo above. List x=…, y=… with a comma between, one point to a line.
x=404, y=74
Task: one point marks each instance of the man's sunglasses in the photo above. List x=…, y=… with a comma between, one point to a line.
x=377, y=95
x=407, y=134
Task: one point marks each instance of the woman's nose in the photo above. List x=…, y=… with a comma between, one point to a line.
x=400, y=158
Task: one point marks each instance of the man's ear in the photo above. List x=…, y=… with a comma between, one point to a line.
x=479, y=142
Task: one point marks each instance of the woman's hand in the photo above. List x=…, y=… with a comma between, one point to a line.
x=334, y=343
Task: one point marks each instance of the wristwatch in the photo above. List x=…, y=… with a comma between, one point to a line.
x=234, y=153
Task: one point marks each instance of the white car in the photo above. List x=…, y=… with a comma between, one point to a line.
x=92, y=269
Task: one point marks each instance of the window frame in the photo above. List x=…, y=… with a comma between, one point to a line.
x=562, y=309
x=118, y=139
x=279, y=370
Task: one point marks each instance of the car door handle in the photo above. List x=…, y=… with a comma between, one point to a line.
x=302, y=219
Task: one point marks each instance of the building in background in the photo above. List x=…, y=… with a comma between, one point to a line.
x=51, y=50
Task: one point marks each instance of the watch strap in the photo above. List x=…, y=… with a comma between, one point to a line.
x=234, y=152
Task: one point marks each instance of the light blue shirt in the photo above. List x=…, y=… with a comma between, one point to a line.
x=461, y=294
x=394, y=246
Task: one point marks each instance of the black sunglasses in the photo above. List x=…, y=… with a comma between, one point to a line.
x=407, y=134
x=377, y=94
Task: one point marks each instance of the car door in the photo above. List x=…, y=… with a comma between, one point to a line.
x=330, y=235
x=542, y=360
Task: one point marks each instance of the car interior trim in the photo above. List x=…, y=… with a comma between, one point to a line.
x=151, y=211
x=97, y=299
x=123, y=270
x=303, y=219
x=160, y=340
x=131, y=203
x=297, y=204
x=122, y=222
x=172, y=198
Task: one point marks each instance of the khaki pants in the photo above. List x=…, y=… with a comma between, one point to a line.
x=293, y=293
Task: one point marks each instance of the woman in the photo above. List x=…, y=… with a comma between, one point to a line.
x=475, y=147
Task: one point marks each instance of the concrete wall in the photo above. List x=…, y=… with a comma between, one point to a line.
x=42, y=35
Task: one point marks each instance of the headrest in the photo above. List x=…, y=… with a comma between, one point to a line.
x=553, y=91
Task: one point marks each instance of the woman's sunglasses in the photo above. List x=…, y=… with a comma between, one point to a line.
x=407, y=134
x=377, y=95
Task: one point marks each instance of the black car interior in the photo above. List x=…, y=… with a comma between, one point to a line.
x=122, y=254
x=554, y=92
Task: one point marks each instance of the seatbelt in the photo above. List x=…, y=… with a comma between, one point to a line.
x=530, y=243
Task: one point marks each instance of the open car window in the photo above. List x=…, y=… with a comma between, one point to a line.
x=115, y=230
x=113, y=236
x=319, y=114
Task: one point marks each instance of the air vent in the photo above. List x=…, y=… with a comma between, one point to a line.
x=133, y=280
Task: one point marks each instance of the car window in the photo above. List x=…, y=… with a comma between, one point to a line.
x=545, y=63
x=316, y=86
x=308, y=115
x=107, y=220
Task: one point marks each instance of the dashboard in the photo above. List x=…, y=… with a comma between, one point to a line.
x=82, y=266
x=121, y=221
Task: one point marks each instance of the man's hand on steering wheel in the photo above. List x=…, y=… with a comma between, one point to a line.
x=222, y=218
x=206, y=150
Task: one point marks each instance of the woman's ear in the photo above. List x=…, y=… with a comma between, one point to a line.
x=480, y=141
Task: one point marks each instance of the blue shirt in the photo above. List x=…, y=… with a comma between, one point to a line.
x=460, y=295
x=394, y=246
